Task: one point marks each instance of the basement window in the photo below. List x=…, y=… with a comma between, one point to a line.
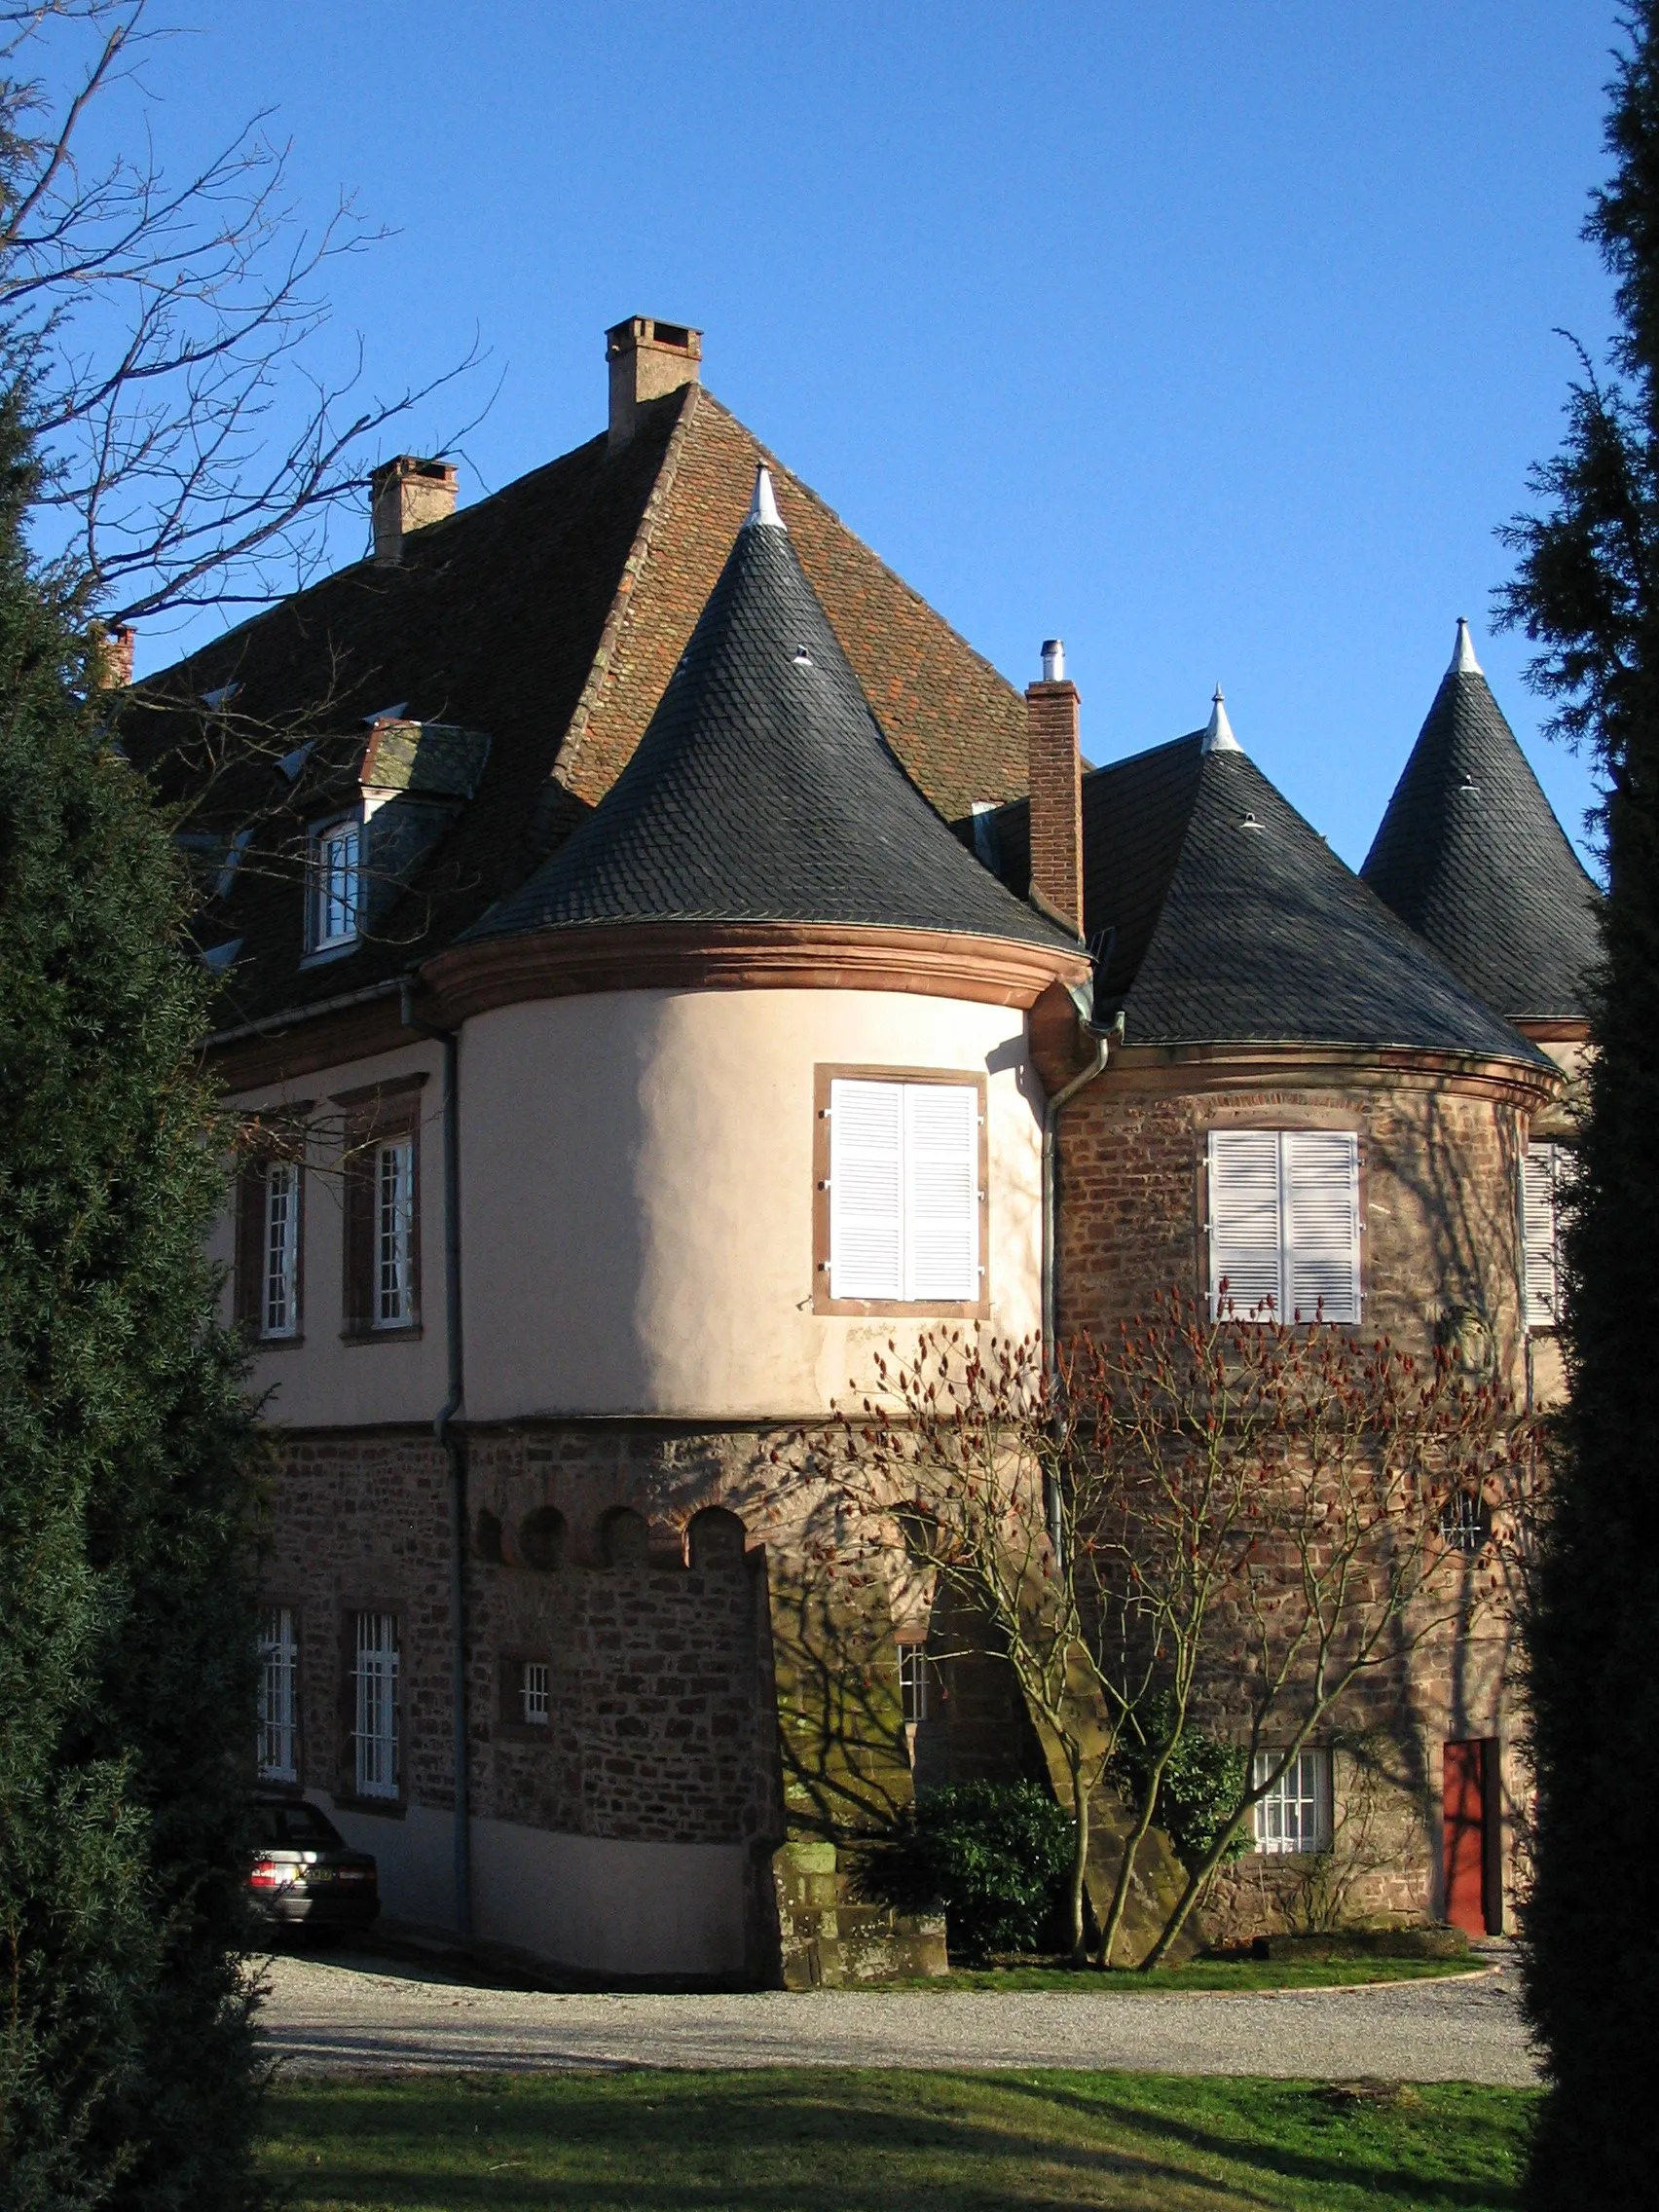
x=1295, y=1814
x=534, y=1698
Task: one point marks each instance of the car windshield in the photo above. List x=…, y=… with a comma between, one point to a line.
x=296, y=1826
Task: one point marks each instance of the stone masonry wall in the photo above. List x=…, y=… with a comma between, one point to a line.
x=1439, y=1171
x=1439, y=1194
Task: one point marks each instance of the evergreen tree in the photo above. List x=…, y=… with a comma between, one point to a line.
x=1587, y=590
x=127, y=1657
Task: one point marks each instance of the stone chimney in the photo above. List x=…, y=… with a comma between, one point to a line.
x=647, y=359
x=406, y=495
x=1057, y=787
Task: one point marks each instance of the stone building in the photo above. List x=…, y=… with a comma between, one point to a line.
x=630, y=1047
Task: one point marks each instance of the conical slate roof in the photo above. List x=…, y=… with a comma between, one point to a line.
x=764, y=791
x=1234, y=922
x=1471, y=855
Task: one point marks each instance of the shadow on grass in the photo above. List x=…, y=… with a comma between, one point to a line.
x=762, y=2142
x=1401, y=2152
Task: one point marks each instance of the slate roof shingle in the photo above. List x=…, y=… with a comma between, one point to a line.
x=1469, y=852
x=1210, y=932
x=548, y=617
x=764, y=791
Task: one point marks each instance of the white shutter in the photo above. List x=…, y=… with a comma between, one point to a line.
x=1319, y=1179
x=867, y=1190
x=1539, y=1224
x=942, y=1192
x=1244, y=1219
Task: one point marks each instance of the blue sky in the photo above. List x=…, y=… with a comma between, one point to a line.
x=1215, y=335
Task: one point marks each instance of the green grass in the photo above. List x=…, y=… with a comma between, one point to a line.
x=1201, y=1974
x=830, y=2140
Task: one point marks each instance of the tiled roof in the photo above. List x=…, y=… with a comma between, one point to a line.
x=764, y=791
x=1471, y=855
x=548, y=618
x=1210, y=931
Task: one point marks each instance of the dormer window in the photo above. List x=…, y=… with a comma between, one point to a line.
x=336, y=885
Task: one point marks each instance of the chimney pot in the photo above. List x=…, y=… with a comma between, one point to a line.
x=647, y=359
x=405, y=494
x=1051, y=722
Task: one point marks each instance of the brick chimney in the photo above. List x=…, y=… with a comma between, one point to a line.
x=1057, y=787
x=112, y=652
x=406, y=495
x=647, y=359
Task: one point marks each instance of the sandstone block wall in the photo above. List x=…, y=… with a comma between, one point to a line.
x=1439, y=1195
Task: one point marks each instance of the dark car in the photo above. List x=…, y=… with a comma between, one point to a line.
x=305, y=1874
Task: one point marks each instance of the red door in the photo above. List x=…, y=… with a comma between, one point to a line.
x=1470, y=1773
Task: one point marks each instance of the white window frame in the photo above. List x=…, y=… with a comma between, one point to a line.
x=905, y=1163
x=376, y=1749
x=1294, y=1818
x=278, y=1696
x=393, y=1223
x=916, y=1697
x=1285, y=1224
x=279, y=1251
x=535, y=1686
x=1541, y=1173
x=334, y=906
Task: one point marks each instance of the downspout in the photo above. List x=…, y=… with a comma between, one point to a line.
x=454, y=1448
x=1102, y=1043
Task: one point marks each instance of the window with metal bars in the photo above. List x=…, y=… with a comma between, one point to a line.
x=534, y=1692
x=1295, y=1814
x=375, y=1722
x=278, y=1696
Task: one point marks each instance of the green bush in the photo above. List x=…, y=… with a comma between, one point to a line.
x=1202, y=1785
x=995, y=1854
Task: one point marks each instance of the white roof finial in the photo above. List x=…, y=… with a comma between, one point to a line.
x=1219, y=737
x=1463, y=661
x=764, y=507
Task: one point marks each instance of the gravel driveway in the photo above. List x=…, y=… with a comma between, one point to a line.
x=350, y=2014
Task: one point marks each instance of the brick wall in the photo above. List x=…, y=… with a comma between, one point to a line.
x=1438, y=1190
x=660, y=1713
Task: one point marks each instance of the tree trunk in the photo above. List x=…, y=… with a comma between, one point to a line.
x=1080, y=1851
x=1146, y=1812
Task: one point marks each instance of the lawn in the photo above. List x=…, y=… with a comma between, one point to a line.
x=1199, y=1973
x=822, y=2140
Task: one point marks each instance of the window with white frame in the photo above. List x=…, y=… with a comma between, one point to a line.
x=394, y=1233
x=374, y=1730
x=336, y=889
x=914, y=1682
x=279, y=1305
x=1284, y=1223
x=534, y=1707
x=278, y=1696
x=1295, y=1814
x=905, y=1193
x=1543, y=1175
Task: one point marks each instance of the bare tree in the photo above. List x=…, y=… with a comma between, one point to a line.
x=971, y=1461
x=1222, y=1513
x=167, y=328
